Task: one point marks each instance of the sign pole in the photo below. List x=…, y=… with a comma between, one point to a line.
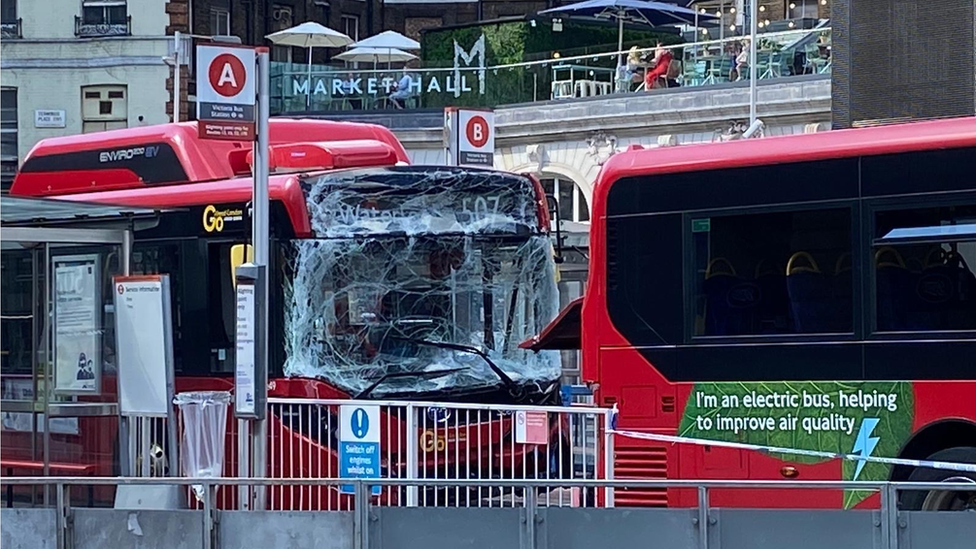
x=262, y=245
x=177, y=96
x=753, y=45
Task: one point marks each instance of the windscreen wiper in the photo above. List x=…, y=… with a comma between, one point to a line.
x=391, y=375
x=507, y=381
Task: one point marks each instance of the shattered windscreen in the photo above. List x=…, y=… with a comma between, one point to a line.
x=411, y=274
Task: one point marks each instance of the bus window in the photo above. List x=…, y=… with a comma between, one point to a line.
x=772, y=273
x=203, y=300
x=924, y=260
x=17, y=321
x=222, y=310
x=164, y=258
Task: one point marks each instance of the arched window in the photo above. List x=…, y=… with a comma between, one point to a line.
x=572, y=202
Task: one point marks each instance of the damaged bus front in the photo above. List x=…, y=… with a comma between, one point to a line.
x=419, y=283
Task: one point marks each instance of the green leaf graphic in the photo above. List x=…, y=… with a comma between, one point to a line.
x=809, y=416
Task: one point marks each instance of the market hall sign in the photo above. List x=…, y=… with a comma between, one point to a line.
x=338, y=86
x=453, y=81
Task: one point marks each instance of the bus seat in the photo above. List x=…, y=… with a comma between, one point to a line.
x=237, y=258
x=772, y=314
x=963, y=314
x=729, y=302
x=843, y=287
x=810, y=293
x=931, y=292
x=894, y=284
x=947, y=291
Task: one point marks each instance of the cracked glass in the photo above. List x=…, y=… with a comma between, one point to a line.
x=419, y=280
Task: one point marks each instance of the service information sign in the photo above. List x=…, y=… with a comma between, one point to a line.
x=359, y=444
x=470, y=137
x=226, y=92
x=244, y=370
x=77, y=325
x=144, y=344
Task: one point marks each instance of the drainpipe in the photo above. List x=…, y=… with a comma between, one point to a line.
x=369, y=18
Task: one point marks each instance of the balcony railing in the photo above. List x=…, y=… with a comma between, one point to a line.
x=781, y=55
x=84, y=29
x=11, y=29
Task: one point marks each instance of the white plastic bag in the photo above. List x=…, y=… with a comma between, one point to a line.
x=204, y=419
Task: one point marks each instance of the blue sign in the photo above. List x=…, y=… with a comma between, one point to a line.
x=359, y=444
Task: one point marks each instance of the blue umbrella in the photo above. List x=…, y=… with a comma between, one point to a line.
x=635, y=11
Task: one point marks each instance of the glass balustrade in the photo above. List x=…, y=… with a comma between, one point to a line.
x=297, y=88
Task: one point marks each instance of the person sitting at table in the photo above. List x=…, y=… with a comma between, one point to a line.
x=628, y=72
x=742, y=61
x=402, y=91
x=660, y=66
x=354, y=101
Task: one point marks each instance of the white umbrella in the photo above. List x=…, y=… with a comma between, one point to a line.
x=310, y=35
x=392, y=55
x=389, y=40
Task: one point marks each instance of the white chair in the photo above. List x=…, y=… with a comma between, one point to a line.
x=583, y=88
x=562, y=89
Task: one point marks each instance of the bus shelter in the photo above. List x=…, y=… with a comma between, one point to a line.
x=59, y=407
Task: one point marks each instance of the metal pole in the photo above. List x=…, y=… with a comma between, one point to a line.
x=721, y=27
x=412, y=449
x=703, y=517
x=126, y=464
x=308, y=96
x=48, y=370
x=753, y=31
x=243, y=462
x=608, y=457
x=262, y=252
x=177, y=96
x=620, y=41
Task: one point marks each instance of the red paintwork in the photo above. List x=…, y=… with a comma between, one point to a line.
x=202, y=159
x=211, y=167
x=620, y=374
x=283, y=188
x=329, y=155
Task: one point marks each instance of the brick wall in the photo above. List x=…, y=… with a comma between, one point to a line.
x=395, y=16
x=179, y=20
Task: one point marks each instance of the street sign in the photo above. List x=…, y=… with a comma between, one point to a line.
x=531, y=427
x=226, y=93
x=359, y=444
x=250, y=378
x=49, y=118
x=470, y=137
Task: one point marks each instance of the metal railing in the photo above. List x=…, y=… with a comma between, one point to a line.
x=84, y=29
x=888, y=519
x=699, y=64
x=12, y=29
x=439, y=441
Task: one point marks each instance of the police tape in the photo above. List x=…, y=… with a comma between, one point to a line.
x=944, y=465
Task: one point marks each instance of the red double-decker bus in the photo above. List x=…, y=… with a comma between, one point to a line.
x=388, y=281
x=813, y=292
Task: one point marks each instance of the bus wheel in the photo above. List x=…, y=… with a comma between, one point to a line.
x=943, y=500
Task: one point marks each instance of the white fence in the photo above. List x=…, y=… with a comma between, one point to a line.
x=438, y=440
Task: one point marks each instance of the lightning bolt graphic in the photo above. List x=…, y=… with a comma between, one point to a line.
x=864, y=444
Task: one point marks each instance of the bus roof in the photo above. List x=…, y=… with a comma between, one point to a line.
x=165, y=153
x=917, y=136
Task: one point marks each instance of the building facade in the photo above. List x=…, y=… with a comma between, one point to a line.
x=76, y=66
